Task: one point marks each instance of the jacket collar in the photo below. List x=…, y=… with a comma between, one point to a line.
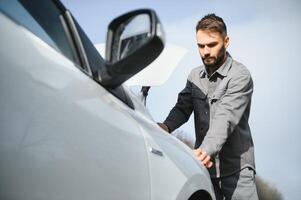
x=222, y=70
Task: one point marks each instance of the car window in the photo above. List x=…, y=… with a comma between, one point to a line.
x=96, y=62
x=44, y=20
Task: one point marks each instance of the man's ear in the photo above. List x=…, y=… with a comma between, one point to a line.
x=226, y=41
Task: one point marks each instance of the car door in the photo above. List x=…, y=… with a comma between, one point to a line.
x=63, y=135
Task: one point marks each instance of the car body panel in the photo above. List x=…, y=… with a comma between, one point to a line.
x=176, y=163
x=57, y=114
x=64, y=136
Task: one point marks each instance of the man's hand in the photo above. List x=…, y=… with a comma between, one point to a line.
x=203, y=157
x=164, y=127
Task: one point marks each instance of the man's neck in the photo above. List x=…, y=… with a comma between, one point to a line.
x=211, y=69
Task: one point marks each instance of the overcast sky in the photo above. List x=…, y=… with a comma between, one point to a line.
x=265, y=36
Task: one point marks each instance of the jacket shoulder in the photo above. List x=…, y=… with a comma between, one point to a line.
x=239, y=69
x=195, y=73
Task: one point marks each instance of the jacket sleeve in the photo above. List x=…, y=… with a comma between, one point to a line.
x=229, y=111
x=181, y=112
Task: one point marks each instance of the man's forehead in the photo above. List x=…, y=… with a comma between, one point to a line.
x=207, y=36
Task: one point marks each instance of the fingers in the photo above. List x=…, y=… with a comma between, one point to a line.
x=200, y=154
x=197, y=152
x=163, y=126
x=206, y=159
x=209, y=164
x=203, y=157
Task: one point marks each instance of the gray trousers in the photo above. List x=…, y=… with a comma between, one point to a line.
x=238, y=186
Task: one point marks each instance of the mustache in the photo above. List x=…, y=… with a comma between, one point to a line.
x=209, y=57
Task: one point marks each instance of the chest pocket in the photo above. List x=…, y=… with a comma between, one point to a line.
x=220, y=91
x=217, y=95
x=215, y=99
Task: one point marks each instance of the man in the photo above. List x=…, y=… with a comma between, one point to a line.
x=219, y=93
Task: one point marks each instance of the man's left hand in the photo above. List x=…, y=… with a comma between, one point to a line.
x=203, y=157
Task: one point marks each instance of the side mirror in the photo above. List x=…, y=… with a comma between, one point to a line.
x=134, y=40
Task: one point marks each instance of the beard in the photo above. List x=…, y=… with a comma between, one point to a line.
x=215, y=62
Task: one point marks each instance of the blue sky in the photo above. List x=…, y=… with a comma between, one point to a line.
x=264, y=35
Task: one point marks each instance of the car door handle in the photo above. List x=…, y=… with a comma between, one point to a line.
x=155, y=151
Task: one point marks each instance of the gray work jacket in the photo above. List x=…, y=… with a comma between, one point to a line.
x=221, y=105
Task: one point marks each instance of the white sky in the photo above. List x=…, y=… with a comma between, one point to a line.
x=264, y=35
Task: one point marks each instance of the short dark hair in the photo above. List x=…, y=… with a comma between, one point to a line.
x=212, y=23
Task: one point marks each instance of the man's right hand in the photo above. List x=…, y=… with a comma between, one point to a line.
x=164, y=127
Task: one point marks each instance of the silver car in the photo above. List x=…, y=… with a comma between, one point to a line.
x=69, y=128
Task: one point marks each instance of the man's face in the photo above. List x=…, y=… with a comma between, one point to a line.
x=212, y=47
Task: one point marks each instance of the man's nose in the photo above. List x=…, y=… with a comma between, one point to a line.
x=206, y=50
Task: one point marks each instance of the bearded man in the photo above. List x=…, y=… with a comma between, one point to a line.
x=219, y=93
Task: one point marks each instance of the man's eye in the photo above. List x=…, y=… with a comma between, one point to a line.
x=212, y=45
x=201, y=46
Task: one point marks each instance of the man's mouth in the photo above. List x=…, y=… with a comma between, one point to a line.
x=209, y=59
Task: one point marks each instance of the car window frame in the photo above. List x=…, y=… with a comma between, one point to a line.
x=72, y=24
